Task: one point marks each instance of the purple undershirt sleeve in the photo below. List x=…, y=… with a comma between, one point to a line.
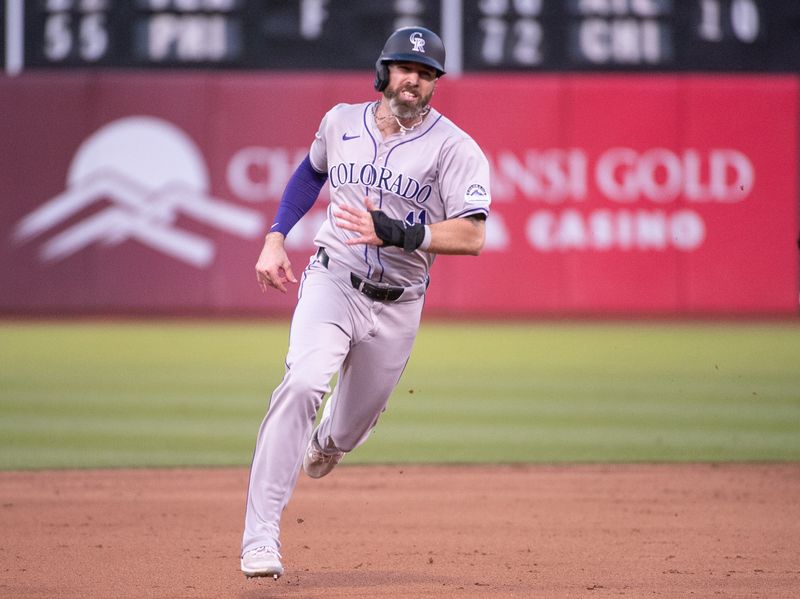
x=300, y=194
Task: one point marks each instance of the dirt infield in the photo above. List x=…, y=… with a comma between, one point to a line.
x=472, y=531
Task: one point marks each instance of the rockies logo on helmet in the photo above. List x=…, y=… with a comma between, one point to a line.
x=410, y=44
x=418, y=41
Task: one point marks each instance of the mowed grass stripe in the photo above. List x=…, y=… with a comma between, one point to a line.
x=123, y=402
x=117, y=457
x=531, y=416
x=105, y=394
x=583, y=433
x=551, y=442
x=611, y=409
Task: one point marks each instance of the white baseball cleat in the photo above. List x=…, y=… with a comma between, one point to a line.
x=262, y=561
x=316, y=462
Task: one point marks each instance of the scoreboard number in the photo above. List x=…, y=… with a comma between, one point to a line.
x=75, y=29
x=510, y=27
x=741, y=15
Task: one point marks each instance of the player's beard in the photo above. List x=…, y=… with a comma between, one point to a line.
x=405, y=110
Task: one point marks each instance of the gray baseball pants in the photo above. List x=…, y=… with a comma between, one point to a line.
x=334, y=329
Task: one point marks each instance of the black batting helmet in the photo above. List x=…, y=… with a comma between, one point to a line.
x=409, y=44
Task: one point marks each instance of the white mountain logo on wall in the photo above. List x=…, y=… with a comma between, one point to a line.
x=151, y=172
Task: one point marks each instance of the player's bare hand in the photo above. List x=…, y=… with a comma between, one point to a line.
x=273, y=268
x=360, y=222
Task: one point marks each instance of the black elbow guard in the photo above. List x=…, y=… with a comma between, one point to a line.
x=395, y=231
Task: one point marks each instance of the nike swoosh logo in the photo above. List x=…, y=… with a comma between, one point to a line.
x=347, y=137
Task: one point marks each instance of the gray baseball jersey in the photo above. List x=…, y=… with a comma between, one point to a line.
x=432, y=173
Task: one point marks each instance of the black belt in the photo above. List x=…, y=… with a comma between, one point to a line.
x=375, y=291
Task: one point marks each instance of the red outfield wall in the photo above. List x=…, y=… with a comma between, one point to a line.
x=641, y=195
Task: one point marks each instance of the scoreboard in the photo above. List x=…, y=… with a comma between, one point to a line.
x=480, y=35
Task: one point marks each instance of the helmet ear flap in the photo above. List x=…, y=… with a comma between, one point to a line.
x=381, y=76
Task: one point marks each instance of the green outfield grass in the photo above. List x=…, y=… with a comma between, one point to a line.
x=164, y=393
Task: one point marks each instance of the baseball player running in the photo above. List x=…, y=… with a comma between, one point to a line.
x=405, y=184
